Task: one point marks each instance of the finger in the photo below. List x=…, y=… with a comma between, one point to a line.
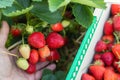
x=38, y=74
x=4, y=33
x=41, y=65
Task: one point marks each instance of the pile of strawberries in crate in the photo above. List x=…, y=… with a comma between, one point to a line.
x=106, y=60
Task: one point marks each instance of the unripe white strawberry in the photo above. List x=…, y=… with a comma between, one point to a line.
x=24, y=50
x=22, y=63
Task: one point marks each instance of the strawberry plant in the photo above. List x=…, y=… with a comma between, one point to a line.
x=49, y=30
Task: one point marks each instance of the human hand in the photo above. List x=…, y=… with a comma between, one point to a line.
x=8, y=69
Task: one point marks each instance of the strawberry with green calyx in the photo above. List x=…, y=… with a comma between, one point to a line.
x=57, y=27
x=24, y=50
x=108, y=39
x=108, y=27
x=22, y=63
x=54, y=40
x=54, y=55
x=99, y=62
x=86, y=76
x=116, y=47
x=34, y=56
x=15, y=31
x=97, y=71
x=44, y=52
x=36, y=40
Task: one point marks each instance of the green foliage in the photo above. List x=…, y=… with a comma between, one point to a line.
x=6, y=3
x=37, y=0
x=83, y=15
x=92, y=3
x=49, y=75
x=41, y=10
x=56, y=4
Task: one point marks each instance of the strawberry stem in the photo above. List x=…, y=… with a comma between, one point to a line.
x=14, y=45
x=5, y=52
x=117, y=39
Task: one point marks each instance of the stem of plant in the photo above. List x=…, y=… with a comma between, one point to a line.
x=5, y=52
x=64, y=10
x=117, y=39
x=14, y=45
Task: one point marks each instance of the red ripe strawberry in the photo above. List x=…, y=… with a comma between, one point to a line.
x=109, y=46
x=86, y=76
x=116, y=65
x=34, y=57
x=100, y=46
x=108, y=39
x=54, y=40
x=44, y=52
x=97, y=71
x=31, y=69
x=97, y=56
x=98, y=62
x=36, y=40
x=15, y=32
x=115, y=8
x=57, y=27
x=108, y=27
x=108, y=58
x=54, y=55
x=118, y=76
x=116, y=22
x=116, y=50
x=110, y=75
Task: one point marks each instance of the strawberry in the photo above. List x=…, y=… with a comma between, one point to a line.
x=108, y=39
x=31, y=69
x=36, y=40
x=108, y=27
x=110, y=75
x=54, y=40
x=116, y=65
x=116, y=50
x=115, y=8
x=97, y=56
x=24, y=50
x=57, y=27
x=34, y=56
x=44, y=52
x=22, y=63
x=15, y=32
x=86, y=76
x=118, y=76
x=109, y=46
x=54, y=55
x=100, y=46
x=108, y=58
x=97, y=71
x=98, y=62
x=116, y=22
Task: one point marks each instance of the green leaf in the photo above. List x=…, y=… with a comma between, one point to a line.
x=6, y=3
x=41, y=10
x=83, y=15
x=16, y=11
x=37, y=0
x=49, y=77
x=60, y=75
x=23, y=3
x=46, y=72
x=93, y=3
x=56, y=4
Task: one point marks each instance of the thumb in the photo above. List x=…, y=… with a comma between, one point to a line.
x=4, y=33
